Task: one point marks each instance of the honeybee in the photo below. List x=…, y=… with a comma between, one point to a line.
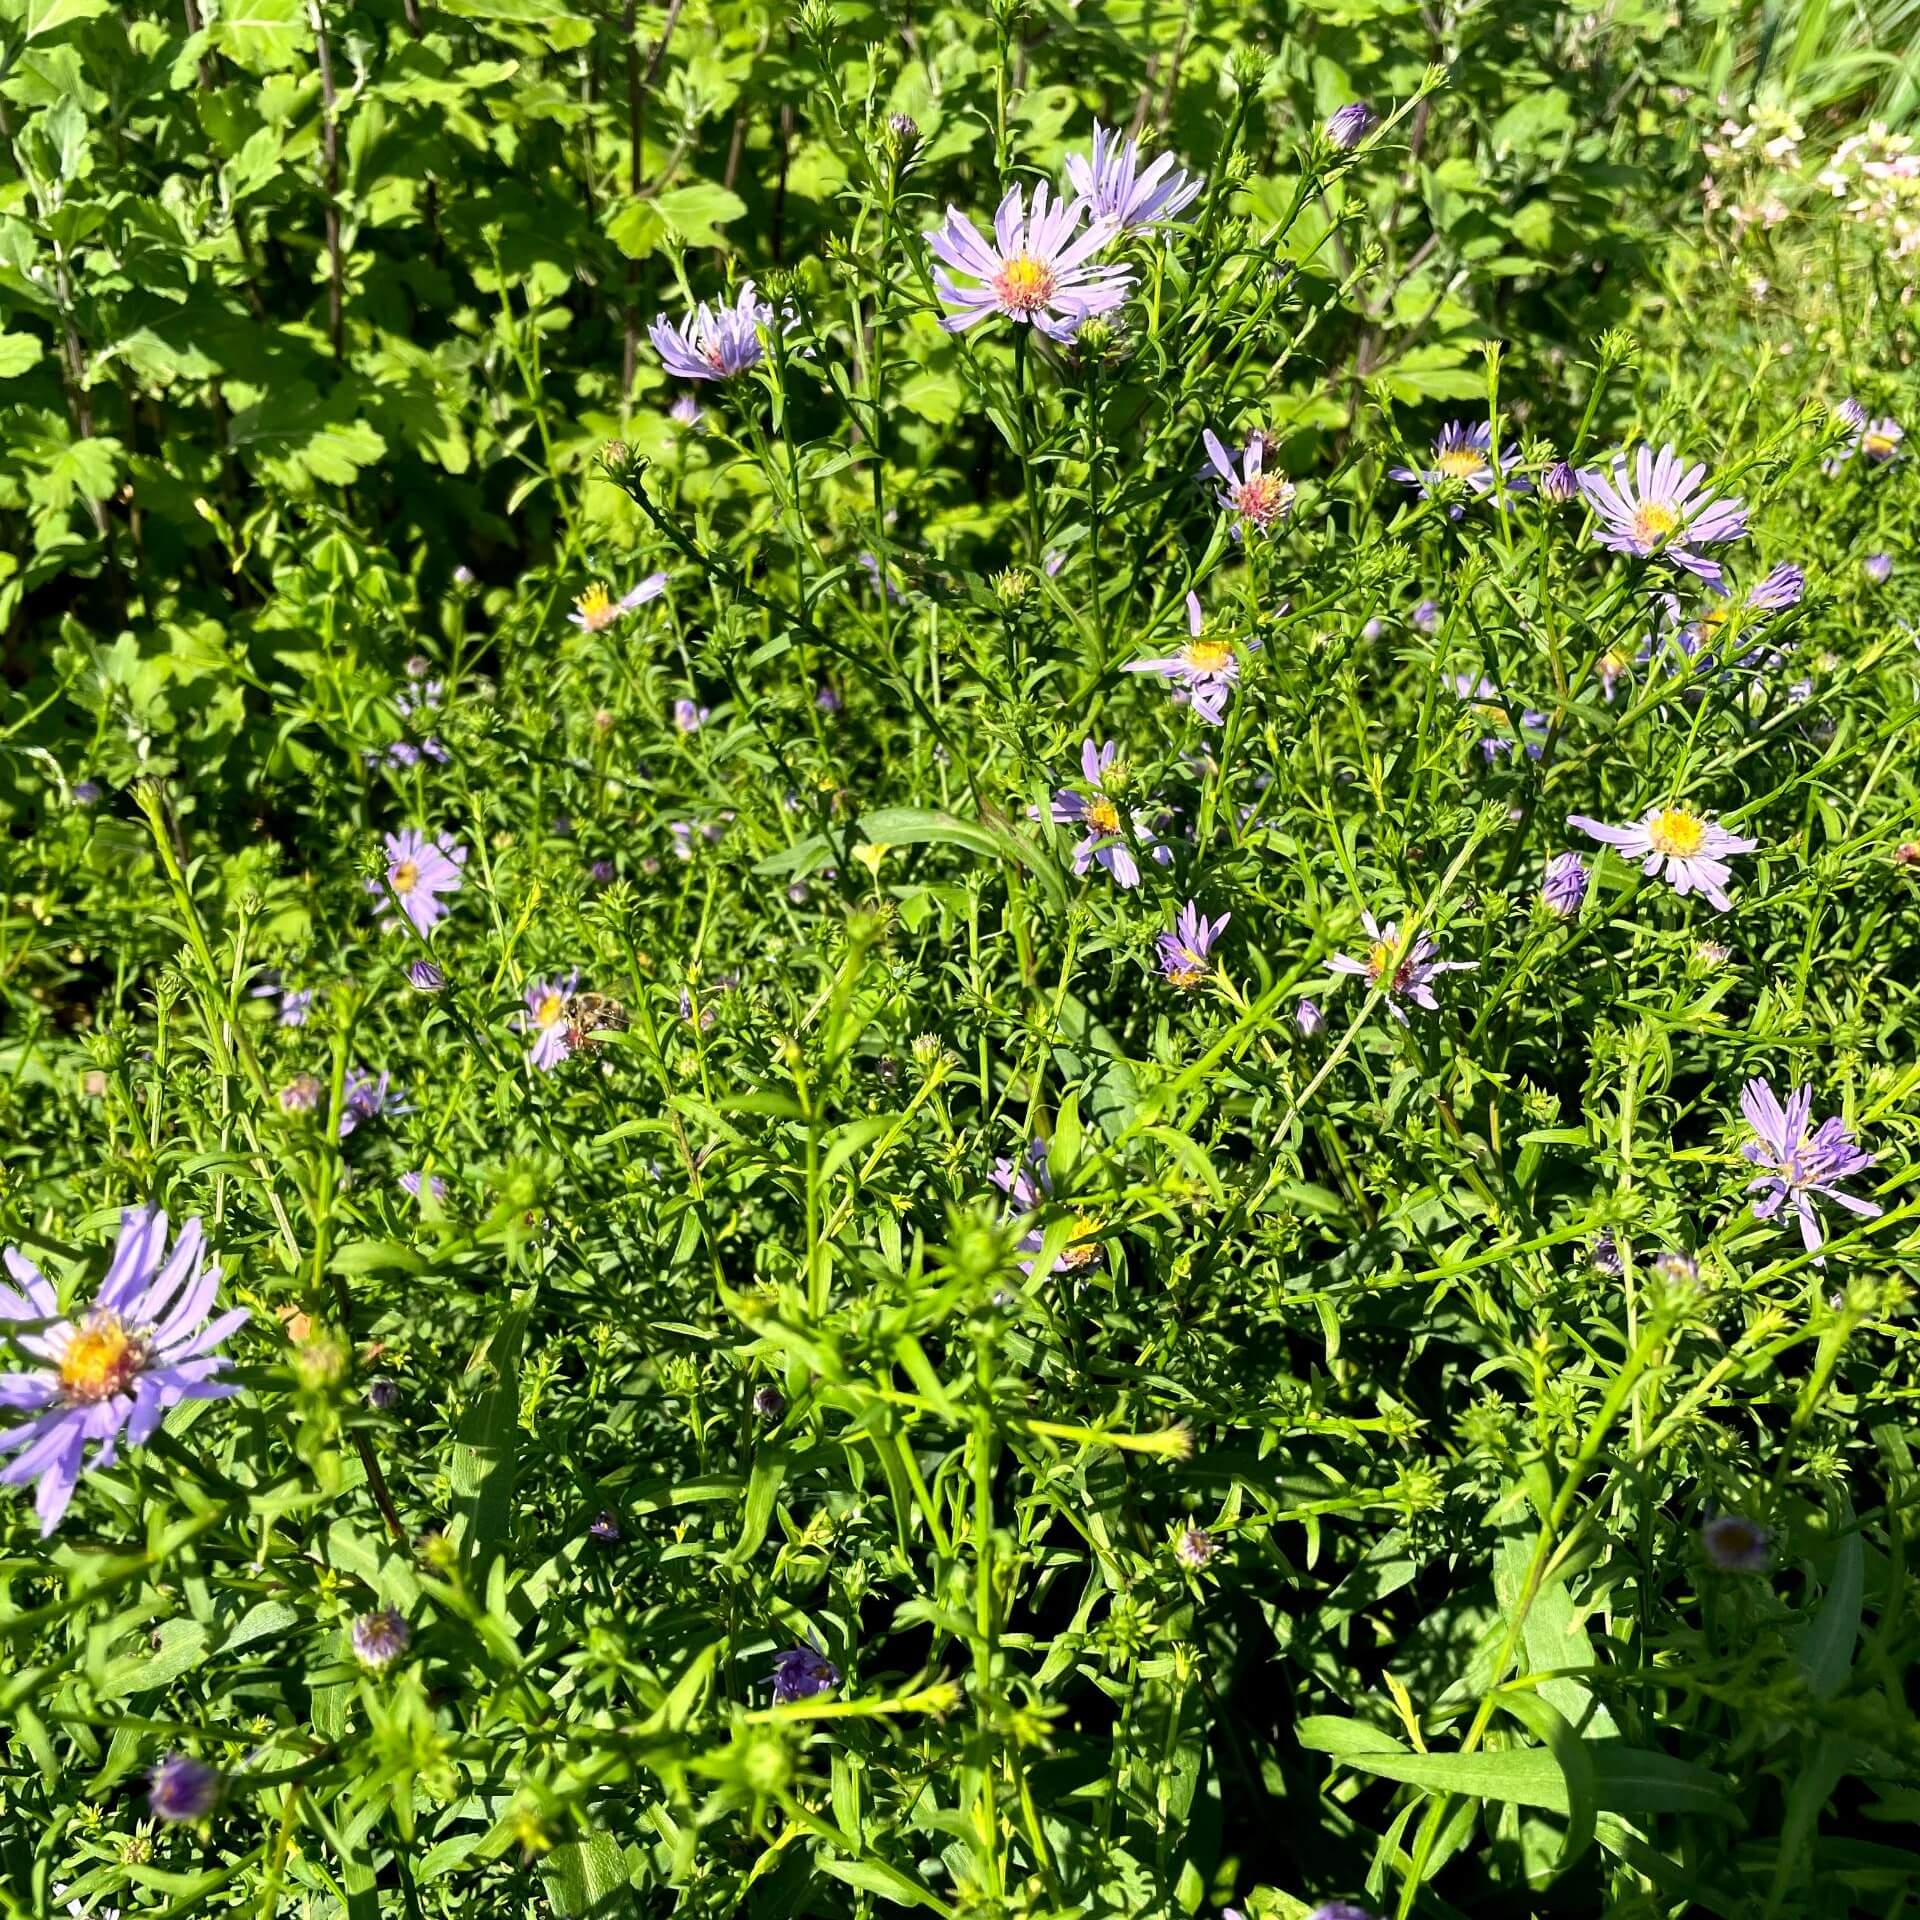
x=591, y=1014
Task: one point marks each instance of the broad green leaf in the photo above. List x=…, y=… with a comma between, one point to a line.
x=1826, y=1649
x=18, y=353
x=695, y=214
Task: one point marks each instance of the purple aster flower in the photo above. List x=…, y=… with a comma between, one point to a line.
x=424, y=977
x=828, y=699
x=601, y=872
x=414, y=1183
x=1193, y=1547
x=1027, y=1183
x=142, y=1347
x=1183, y=951
x=1339, y=1910
x=1691, y=848
x=1113, y=187
x=800, y=1673
x=1564, y=889
x=1308, y=1017
x=1879, y=569
x=1207, y=669
x=685, y=414
x=1463, y=453
x=380, y=1638
x=1662, y=509
x=365, y=1098
x=690, y=718
x=548, y=1004
x=435, y=750
x=597, y=609
x=1105, y=842
x=383, y=1394
x=419, y=871
x=403, y=753
x=88, y=793
x=1797, y=1164
x=1560, y=483
x=1426, y=616
x=605, y=1527
x=717, y=342
x=1260, y=499
x=1735, y=1544
x=872, y=565
x=1406, y=974
x=1350, y=125
x=296, y=1003
x=1876, y=441
x=181, y=1789
x=1037, y=270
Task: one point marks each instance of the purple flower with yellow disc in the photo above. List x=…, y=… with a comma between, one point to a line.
x=1039, y=269
x=1653, y=506
x=548, y=1005
x=1404, y=972
x=1691, y=849
x=419, y=871
x=1257, y=498
x=1114, y=187
x=145, y=1344
x=802, y=1673
x=1107, y=836
x=1206, y=669
x=596, y=609
x=714, y=342
x=1463, y=454
x=1184, y=950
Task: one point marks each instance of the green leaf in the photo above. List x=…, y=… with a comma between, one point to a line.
x=583, y=1874
x=49, y=16
x=763, y=1487
x=1826, y=1651
x=637, y=229
x=875, y=1876
x=19, y=352
x=481, y=1470
x=694, y=214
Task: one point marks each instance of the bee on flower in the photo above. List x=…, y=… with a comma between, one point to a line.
x=1404, y=972
x=596, y=610
x=1690, y=849
x=1259, y=500
x=1029, y=1186
x=1040, y=269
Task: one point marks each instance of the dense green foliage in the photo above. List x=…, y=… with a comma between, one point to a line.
x=1195, y=1427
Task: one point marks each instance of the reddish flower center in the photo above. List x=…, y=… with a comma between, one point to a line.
x=1264, y=498
x=101, y=1359
x=1024, y=284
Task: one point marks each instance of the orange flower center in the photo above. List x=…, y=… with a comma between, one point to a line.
x=1103, y=816
x=1083, y=1250
x=101, y=1359
x=1024, y=284
x=1676, y=833
x=1188, y=976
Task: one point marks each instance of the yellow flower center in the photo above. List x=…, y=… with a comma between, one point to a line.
x=1877, y=446
x=101, y=1359
x=406, y=876
x=1382, y=959
x=1024, y=284
x=595, y=607
x=551, y=1007
x=1083, y=1250
x=1613, y=663
x=1676, y=833
x=1187, y=976
x=1460, y=463
x=1103, y=816
x=1208, y=656
x=1653, y=520
x=1264, y=498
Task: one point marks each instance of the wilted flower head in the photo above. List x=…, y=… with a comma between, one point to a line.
x=1653, y=506
x=419, y=871
x=1193, y=1547
x=383, y=1394
x=181, y=1789
x=144, y=1345
x=301, y=1094
x=1797, y=1163
x=714, y=343
x=597, y=609
x=1258, y=499
x=1690, y=848
x=424, y=977
x=1405, y=973
x=1564, y=888
x=769, y=1402
x=88, y=793
x=1735, y=1544
x=800, y=1673
x=1184, y=950
x=1038, y=269
x=380, y=1638
x=1351, y=124
x=1115, y=189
